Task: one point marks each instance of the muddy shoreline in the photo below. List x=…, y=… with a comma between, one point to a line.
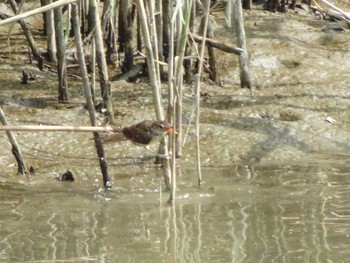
x=300, y=112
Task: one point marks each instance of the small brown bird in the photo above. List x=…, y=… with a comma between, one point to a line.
x=144, y=133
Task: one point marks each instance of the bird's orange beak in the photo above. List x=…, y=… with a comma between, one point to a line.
x=169, y=130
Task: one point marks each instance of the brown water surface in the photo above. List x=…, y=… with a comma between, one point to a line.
x=242, y=214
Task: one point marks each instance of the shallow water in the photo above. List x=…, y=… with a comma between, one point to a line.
x=241, y=214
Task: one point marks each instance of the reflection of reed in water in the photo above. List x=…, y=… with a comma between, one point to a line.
x=255, y=214
x=255, y=228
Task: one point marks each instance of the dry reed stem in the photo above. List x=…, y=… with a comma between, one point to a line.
x=53, y=128
x=37, y=11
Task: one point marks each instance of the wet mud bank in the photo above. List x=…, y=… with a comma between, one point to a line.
x=299, y=114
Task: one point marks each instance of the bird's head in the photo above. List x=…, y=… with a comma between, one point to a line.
x=161, y=128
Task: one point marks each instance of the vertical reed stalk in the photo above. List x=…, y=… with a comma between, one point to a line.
x=166, y=28
x=188, y=63
x=50, y=33
x=105, y=85
x=184, y=16
x=151, y=63
x=211, y=54
x=92, y=68
x=178, y=25
x=241, y=42
x=108, y=22
x=125, y=34
x=197, y=88
x=159, y=29
x=100, y=151
x=169, y=36
x=61, y=57
x=148, y=33
x=154, y=38
x=171, y=99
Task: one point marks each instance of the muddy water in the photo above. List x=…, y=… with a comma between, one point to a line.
x=275, y=169
x=242, y=214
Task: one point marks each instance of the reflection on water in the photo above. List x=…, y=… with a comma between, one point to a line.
x=242, y=214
